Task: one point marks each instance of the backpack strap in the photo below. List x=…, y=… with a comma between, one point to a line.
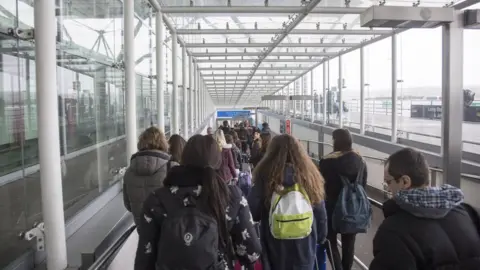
x=359, y=177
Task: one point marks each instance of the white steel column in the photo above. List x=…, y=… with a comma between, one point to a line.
x=340, y=90
x=197, y=96
x=160, y=61
x=185, y=91
x=324, y=108
x=302, y=92
x=131, y=98
x=175, y=123
x=452, y=100
x=394, y=89
x=192, y=93
x=312, y=102
x=48, y=134
x=362, y=91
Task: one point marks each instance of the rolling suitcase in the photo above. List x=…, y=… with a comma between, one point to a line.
x=321, y=257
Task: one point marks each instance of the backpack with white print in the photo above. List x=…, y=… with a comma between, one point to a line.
x=188, y=235
x=291, y=213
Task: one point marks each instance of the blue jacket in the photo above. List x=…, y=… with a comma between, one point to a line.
x=286, y=254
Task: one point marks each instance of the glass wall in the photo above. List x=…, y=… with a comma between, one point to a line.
x=91, y=105
x=378, y=86
x=318, y=91
x=332, y=85
x=351, y=88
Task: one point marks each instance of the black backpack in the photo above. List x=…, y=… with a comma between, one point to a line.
x=189, y=236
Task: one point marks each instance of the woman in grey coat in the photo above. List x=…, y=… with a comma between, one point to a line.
x=147, y=171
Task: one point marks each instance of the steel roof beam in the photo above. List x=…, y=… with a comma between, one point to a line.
x=293, y=54
x=227, y=11
x=315, y=60
x=210, y=76
x=281, y=32
x=262, y=45
x=249, y=68
x=221, y=82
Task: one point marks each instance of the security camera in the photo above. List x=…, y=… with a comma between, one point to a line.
x=22, y=33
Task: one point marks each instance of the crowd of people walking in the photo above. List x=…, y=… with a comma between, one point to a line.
x=242, y=196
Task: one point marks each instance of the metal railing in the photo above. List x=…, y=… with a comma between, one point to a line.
x=433, y=172
x=105, y=259
x=370, y=127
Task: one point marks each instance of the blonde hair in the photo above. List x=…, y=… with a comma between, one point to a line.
x=284, y=150
x=152, y=139
x=220, y=138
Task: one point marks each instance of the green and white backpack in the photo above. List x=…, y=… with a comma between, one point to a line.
x=291, y=213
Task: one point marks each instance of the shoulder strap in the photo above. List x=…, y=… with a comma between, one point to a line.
x=169, y=165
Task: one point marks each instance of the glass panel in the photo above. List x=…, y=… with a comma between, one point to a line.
x=91, y=116
x=378, y=91
x=332, y=116
x=351, y=88
x=318, y=91
x=471, y=81
x=18, y=149
x=419, y=85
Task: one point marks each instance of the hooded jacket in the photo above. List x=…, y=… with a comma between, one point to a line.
x=277, y=254
x=146, y=173
x=183, y=182
x=340, y=163
x=227, y=169
x=427, y=228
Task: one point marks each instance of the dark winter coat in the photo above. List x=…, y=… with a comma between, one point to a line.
x=426, y=229
x=277, y=254
x=332, y=166
x=227, y=169
x=256, y=145
x=146, y=173
x=183, y=182
x=237, y=156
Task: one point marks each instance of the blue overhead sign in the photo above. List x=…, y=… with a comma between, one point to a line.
x=233, y=114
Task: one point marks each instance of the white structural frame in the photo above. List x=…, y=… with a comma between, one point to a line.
x=160, y=61
x=279, y=37
x=49, y=134
x=191, y=105
x=185, y=91
x=262, y=45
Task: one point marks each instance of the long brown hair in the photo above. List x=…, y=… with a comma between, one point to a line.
x=176, y=145
x=201, y=152
x=284, y=150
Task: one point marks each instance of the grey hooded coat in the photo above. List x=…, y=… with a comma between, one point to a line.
x=146, y=173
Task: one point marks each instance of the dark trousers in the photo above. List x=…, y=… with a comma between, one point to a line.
x=345, y=261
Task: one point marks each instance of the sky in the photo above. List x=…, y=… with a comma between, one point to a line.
x=419, y=64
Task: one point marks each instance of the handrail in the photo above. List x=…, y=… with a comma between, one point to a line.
x=463, y=175
x=407, y=132
x=107, y=255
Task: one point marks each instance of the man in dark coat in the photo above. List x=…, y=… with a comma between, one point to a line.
x=425, y=227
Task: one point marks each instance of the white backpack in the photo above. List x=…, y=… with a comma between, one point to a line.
x=291, y=214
